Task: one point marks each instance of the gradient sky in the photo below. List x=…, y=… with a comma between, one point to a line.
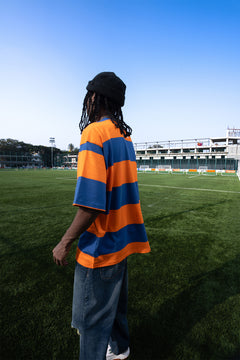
x=180, y=60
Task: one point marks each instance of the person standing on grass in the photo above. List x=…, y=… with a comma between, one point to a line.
x=109, y=220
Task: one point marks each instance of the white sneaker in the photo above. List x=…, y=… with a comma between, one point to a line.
x=111, y=356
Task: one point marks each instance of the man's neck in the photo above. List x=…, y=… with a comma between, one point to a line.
x=102, y=117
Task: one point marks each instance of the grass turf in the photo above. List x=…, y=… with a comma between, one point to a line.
x=184, y=297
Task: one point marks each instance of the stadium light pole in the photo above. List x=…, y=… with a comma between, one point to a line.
x=52, y=142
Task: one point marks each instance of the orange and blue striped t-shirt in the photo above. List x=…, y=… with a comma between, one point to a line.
x=107, y=181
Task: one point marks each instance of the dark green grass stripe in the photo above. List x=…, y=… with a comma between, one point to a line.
x=19, y=210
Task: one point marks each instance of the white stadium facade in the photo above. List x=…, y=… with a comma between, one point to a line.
x=211, y=154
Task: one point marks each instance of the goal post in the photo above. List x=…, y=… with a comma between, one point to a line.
x=203, y=168
x=164, y=167
x=144, y=168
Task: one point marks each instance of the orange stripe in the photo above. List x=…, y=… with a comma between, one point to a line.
x=109, y=131
x=89, y=135
x=121, y=173
x=111, y=259
x=89, y=207
x=116, y=220
x=99, y=132
x=92, y=166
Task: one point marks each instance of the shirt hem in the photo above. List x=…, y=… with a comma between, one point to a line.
x=113, y=258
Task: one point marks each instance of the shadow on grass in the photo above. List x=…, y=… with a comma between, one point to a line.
x=36, y=299
x=156, y=337
x=157, y=218
x=36, y=292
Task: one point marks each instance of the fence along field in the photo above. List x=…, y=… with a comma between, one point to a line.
x=184, y=300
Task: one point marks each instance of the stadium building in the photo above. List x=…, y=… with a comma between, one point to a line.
x=212, y=154
x=18, y=159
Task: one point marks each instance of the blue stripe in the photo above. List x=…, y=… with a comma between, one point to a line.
x=91, y=147
x=90, y=193
x=122, y=195
x=106, y=118
x=118, y=149
x=111, y=242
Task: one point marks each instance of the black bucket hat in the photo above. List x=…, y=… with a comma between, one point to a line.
x=110, y=85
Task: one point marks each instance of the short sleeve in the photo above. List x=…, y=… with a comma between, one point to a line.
x=91, y=173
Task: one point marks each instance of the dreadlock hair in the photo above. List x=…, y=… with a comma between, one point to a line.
x=92, y=111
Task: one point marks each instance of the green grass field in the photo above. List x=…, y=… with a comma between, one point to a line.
x=184, y=297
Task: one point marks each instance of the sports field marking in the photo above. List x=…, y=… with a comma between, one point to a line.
x=151, y=205
x=194, y=176
x=20, y=210
x=65, y=178
x=196, y=189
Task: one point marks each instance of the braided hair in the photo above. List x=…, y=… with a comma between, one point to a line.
x=92, y=111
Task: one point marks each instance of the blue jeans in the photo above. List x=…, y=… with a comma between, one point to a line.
x=100, y=310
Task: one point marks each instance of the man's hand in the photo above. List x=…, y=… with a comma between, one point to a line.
x=60, y=252
x=83, y=219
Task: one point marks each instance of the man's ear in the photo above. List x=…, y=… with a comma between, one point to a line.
x=93, y=97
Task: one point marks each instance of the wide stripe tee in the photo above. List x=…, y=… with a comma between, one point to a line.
x=107, y=181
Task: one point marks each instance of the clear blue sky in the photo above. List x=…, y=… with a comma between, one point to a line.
x=180, y=60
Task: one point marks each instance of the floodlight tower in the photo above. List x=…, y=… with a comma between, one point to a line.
x=52, y=142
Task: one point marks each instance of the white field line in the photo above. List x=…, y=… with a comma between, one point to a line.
x=171, y=187
x=60, y=178
x=193, y=176
x=196, y=189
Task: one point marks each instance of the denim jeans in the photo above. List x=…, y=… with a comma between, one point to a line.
x=100, y=310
